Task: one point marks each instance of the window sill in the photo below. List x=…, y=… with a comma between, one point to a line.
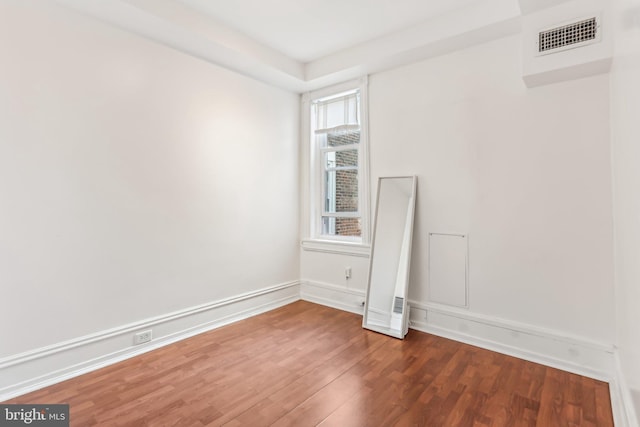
x=334, y=247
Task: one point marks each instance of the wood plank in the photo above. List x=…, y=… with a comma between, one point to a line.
x=305, y=364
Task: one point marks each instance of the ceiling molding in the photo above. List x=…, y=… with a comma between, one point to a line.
x=482, y=22
x=229, y=49
x=187, y=30
x=214, y=31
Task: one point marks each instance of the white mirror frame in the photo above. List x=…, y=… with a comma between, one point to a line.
x=399, y=308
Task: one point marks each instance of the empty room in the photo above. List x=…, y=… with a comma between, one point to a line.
x=301, y=213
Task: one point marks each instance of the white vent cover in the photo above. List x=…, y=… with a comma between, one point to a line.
x=569, y=40
x=568, y=36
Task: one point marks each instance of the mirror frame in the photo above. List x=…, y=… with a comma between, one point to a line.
x=407, y=266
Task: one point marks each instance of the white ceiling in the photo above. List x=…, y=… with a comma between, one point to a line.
x=307, y=30
x=302, y=45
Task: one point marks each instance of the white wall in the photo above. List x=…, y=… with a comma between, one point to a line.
x=134, y=180
x=524, y=172
x=625, y=110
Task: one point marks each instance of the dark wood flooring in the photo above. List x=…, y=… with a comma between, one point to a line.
x=306, y=365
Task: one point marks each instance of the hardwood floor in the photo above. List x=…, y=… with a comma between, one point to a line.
x=305, y=365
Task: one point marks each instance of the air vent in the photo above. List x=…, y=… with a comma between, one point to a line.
x=398, y=305
x=568, y=36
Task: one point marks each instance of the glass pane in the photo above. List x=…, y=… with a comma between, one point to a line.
x=338, y=159
x=341, y=191
x=338, y=111
x=341, y=226
x=336, y=139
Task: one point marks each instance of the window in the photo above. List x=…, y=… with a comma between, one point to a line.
x=337, y=148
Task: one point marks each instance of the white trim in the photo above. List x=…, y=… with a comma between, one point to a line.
x=510, y=325
x=305, y=160
x=349, y=147
x=179, y=27
x=365, y=182
x=339, y=128
x=340, y=297
x=336, y=89
x=553, y=348
x=131, y=327
x=341, y=215
x=336, y=247
x=55, y=363
x=32, y=370
x=624, y=414
x=548, y=347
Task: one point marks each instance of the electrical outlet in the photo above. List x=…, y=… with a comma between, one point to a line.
x=142, y=337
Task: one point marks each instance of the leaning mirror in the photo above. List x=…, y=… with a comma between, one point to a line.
x=386, y=308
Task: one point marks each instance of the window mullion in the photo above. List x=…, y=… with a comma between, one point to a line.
x=341, y=214
x=339, y=148
x=341, y=168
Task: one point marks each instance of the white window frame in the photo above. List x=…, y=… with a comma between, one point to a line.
x=313, y=190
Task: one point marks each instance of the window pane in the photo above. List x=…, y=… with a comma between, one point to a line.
x=341, y=191
x=337, y=111
x=336, y=139
x=340, y=159
x=341, y=226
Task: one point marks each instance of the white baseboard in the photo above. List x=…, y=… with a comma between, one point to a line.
x=339, y=297
x=547, y=347
x=35, y=369
x=29, y=371
x=624, y=414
